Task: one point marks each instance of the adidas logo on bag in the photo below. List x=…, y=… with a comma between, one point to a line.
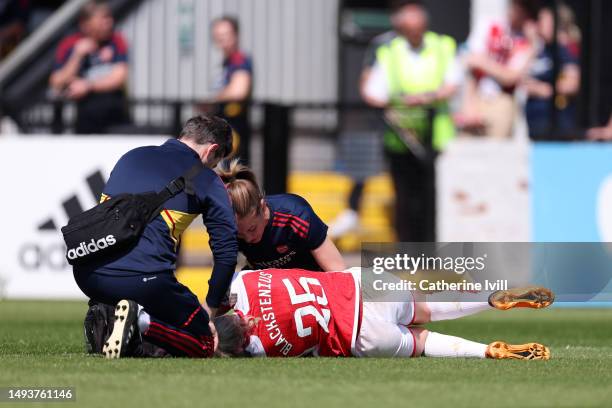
x=93, y=246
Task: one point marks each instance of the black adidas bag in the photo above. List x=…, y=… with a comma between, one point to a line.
x=119, y=222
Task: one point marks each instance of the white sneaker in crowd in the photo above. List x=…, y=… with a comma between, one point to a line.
x=346, y=222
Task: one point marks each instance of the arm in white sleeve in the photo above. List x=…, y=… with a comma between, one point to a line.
x=375, y=88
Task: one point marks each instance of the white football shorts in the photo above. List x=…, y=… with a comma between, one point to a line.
x=384, y=331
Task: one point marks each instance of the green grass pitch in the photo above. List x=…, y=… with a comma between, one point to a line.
x=41, y=345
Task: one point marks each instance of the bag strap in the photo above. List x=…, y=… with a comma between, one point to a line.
x=190, y=175
x=176, y=186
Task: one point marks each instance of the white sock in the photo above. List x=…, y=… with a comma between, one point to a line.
x=455, y=310
x=144, y=320
x=441, y=345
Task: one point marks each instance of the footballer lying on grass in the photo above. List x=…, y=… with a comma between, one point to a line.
x=292, y=312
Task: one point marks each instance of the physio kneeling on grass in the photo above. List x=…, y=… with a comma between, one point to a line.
x=138, y=280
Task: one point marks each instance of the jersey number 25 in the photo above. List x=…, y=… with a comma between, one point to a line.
x=322, y=317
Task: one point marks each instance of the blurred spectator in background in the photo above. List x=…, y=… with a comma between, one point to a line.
x=14, y=16
x=539, y=112
x=233, y=97
x=498, y=57
x=91, y=69
x=569, y=34
x=413, y=76
x=348, y=220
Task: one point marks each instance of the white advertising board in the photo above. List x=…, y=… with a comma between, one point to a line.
x=44, y=180
x=483, y=192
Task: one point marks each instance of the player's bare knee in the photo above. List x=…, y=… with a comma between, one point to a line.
x=420, y=336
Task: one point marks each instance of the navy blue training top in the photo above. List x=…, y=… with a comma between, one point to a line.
x=538, y=111
x=238, y=61
x=293, y=231
x=151, y=168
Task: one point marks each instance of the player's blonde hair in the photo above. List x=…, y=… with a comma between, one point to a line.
x=242, y=188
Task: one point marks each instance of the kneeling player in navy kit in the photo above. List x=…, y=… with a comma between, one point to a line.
x=278, y=231
x=290, y=313
x=170, y=315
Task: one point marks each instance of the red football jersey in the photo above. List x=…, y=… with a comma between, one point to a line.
x=504, y=47
x=299, y=312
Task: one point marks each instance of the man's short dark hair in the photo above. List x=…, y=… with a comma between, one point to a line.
x=91, y=7
x=205, y=129
x=231, y=20
x=530, y=7
x=397, y=5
